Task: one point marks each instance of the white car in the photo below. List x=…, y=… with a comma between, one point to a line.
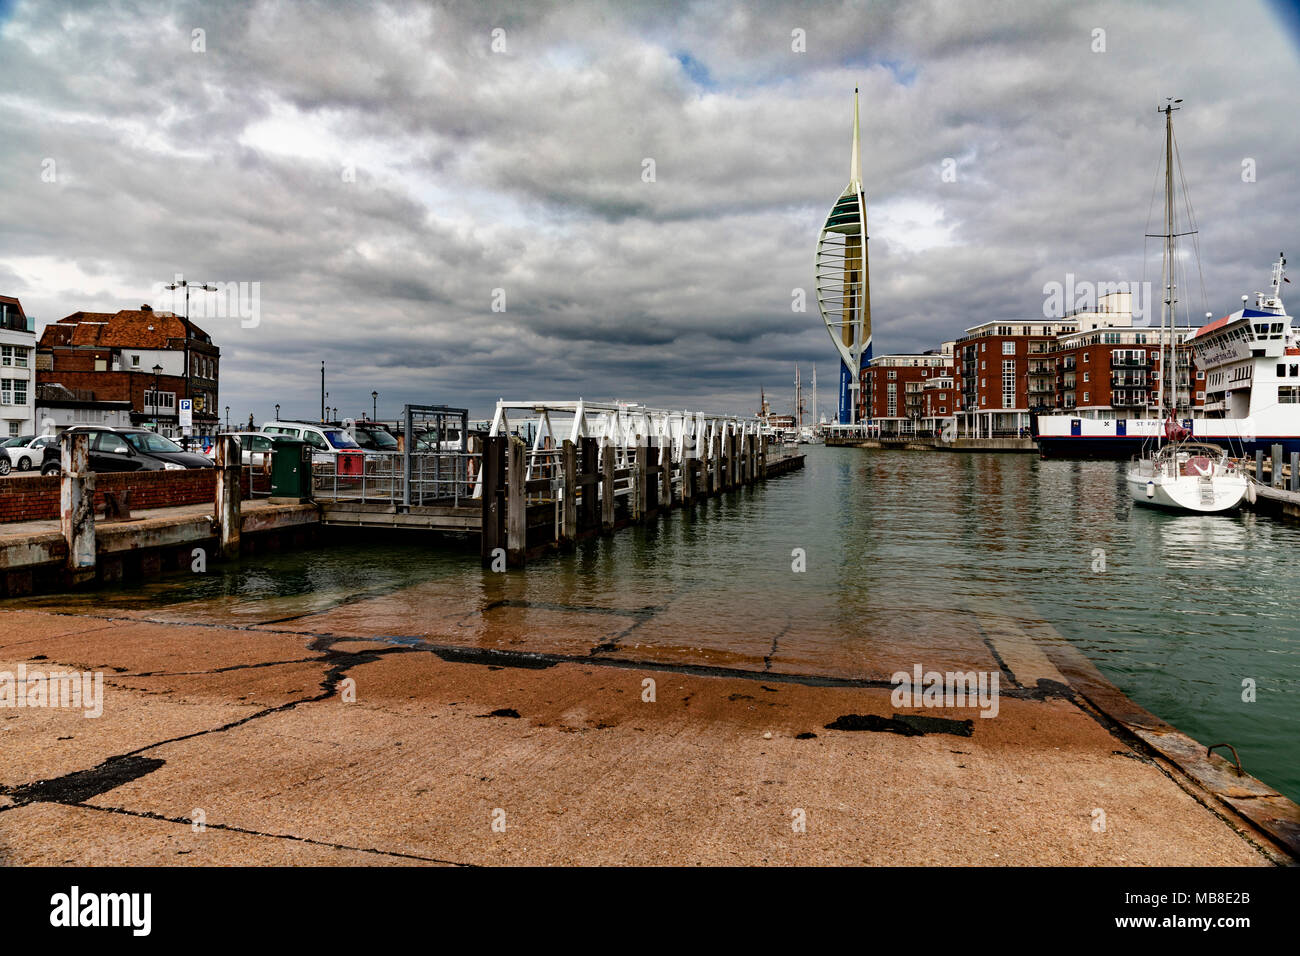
x=26, y=451
x=330, y=445
x=254, y=448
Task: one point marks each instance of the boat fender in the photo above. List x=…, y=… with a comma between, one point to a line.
x=1250, y=493
x=1151, y=489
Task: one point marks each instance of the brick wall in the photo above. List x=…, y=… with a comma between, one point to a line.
x=36, y=497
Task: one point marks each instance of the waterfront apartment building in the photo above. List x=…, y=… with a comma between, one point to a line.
x=17, y=370
x=1111, y=368
x=894, y=392
x=150, y=359
x=1002, y=370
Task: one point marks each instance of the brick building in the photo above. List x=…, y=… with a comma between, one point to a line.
x=894, y=391
x=150, y=359
x=1002, y=370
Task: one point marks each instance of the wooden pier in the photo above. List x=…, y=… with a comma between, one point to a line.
x=589, y=469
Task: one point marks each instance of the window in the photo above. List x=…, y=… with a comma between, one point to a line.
x=893, y=401
x=982, y=365
x=1200, y=396
x=1009, y=384
x=1281, y=371
x=13, y=429
x=1085, y=397
x=1289, y=395
x=983, y=346
x=13, y=391
x=1008, y=348
x=1295, y=370
x=1085, y=356
x=1085, y=376
x=101, y=365
x=943, y=409
x=892, y=374
x=135, y=361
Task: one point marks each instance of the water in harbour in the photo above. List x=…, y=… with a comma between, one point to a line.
x=906, y=553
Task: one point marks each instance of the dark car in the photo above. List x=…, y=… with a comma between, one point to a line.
x=373, y=437
x=124, y=449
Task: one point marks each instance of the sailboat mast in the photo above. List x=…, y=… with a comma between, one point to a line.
x=1167, y=309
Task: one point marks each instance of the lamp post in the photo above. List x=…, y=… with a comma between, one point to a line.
x=227, y=418
x=181, y=283
x=277, y=413
x=157, y=370
x=374, y=406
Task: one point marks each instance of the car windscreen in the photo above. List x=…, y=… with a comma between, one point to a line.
x=379, y=438
x=340, y=439
x=17, y=442
x=149, y=443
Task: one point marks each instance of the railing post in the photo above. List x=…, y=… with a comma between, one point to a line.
x=227, y=508
x=516, y=503
x=77, y=508
x=569, y=468
x=490, y=531
x=606, y=488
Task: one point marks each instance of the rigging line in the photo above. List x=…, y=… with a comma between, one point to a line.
x=1155, y=183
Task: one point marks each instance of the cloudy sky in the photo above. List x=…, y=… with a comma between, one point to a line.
x=383, y=170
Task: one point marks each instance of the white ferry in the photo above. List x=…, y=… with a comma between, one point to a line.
x=1251, y=361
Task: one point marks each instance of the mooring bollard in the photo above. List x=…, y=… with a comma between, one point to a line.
x=227, y=505
x=77, y=507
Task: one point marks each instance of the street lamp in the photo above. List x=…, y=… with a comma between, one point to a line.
x=227, y=418
x=374, y=406
x=186, y=285
x=157, y=370
x=277, y=413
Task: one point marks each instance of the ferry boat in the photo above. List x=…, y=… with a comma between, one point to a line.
x=1251, y=361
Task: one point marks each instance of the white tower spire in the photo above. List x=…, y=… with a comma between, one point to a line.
x=855, y=167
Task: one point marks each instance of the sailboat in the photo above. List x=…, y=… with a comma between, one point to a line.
x=1181, y=475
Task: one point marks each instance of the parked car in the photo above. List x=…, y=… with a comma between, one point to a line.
x=124, y=449
x=25, y=451
x=254, y=448
x=373, y=437
x=332, y=448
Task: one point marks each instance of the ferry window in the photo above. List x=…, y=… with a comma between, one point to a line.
x=1277, y=327
x=1295, y=370
x=1289, y=395
x=1281, y=371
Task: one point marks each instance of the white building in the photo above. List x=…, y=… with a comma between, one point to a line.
x=17, y=370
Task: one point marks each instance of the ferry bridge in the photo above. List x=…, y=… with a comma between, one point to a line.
x=546, y=474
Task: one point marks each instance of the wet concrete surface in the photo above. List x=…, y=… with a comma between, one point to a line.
x=520, y=733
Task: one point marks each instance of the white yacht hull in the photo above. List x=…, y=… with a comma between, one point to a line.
x=1200, y=495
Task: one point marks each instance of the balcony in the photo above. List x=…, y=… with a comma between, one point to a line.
x=1128, y=379
x=1042, y=388
x=1117, y=362
x=1068, y=364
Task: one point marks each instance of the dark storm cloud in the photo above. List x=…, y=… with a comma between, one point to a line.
x=387, y=176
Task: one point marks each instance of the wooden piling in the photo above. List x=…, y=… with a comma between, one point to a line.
x=589, y=514
x=569, y=468
x=516, y=503
x=493, y=463
x=640, y=493
x=227, y=505
x=1275, y=479
x=665, y=475
x=606, y=489
x=77, y=508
